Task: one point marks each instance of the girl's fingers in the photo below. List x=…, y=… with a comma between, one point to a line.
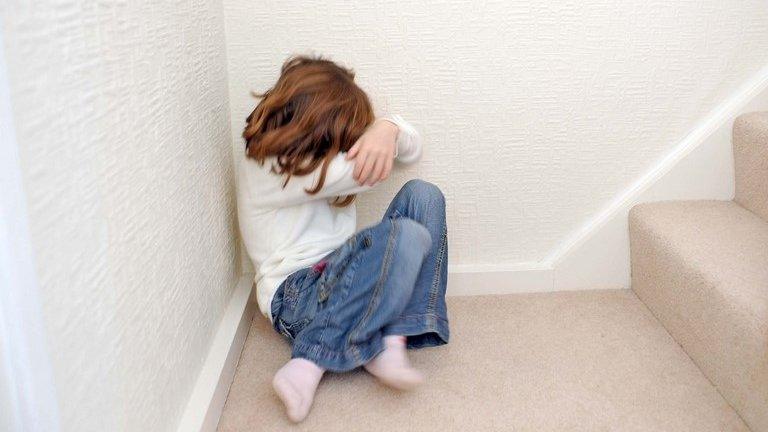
x=359, y=163
x=387, y=170
x=353, y=151
x=366, y=171
x=378, y=167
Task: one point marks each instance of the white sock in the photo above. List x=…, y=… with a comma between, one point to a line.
x=295, y=384
x=392, y=367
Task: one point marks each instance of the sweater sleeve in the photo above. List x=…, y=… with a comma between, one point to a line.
x=408, y=140
x=266, y=188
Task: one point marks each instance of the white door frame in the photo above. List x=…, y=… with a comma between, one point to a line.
x=27, y=393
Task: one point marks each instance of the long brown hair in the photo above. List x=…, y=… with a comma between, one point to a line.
x=314, y=111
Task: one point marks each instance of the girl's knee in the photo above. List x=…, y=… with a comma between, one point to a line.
x=413, y=234
x=424, y=190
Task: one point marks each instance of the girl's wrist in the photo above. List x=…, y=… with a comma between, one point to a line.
x=389, y=128
x=389, y=124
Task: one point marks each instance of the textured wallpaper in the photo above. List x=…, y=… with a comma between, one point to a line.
x=534, y=114
x=123, y=123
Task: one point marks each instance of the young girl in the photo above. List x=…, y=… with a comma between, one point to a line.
x=343, y=299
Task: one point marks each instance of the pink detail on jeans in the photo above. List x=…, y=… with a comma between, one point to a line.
x=320, y=266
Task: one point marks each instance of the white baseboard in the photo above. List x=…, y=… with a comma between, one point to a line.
x=699, y=167
x=469, y=280
x=210, y=392
x=489, y=279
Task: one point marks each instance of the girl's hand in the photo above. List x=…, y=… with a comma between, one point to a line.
x=374, y=153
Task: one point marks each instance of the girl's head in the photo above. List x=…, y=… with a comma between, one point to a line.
x=313, y=112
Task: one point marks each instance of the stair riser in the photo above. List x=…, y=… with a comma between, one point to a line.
x=750, y=152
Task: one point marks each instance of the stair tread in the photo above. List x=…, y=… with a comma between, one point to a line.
x=725, y=243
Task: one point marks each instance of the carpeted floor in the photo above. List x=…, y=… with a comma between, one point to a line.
x=570, y=361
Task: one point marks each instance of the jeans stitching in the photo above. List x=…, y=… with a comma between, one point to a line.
x=285, y=328
x=376, y=290
x=438, y=271
x=289, y=296
x=347, y=268
x=423, y=315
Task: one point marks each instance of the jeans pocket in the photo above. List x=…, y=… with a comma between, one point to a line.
x=295, y=288
x=295, y=302
x=290, y=330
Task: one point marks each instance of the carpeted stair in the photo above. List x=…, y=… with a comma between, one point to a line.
x=702, y=268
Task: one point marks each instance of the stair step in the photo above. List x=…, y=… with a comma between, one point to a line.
x=702, y=269
x=750, y=152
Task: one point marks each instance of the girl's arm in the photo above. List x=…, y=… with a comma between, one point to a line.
x=380, y=144
x=389, y=138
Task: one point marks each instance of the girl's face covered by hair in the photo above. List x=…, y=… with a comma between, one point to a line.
x=314, y=111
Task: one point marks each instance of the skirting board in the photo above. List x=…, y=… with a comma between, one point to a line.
x=210, y=393
x=466, y=280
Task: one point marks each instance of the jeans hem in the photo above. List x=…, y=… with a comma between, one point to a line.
x=339, y=361
x=422, y=331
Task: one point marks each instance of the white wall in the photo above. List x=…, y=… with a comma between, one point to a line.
x=122, y=120
x=535, y=114
x=27, y=392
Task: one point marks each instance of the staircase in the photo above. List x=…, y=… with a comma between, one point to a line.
x=702, y=268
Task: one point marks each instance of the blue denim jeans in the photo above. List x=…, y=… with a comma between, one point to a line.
x=388, y=279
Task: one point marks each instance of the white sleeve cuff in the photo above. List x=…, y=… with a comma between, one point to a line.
x=408, y=148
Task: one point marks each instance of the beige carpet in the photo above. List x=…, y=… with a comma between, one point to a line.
x=579, y=361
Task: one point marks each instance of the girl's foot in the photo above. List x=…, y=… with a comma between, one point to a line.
x=295, y=384
x=392, y=367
